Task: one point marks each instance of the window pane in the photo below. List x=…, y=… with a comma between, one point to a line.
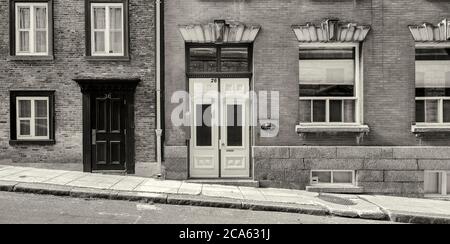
x=41, y=17
x=432, y=183
x=24, y=109
x=41, y=41
x=99, y=39
x=41, y=127
x=431, y=111
x=99, y=18
x=24, y=18
x=234, y=125
x=343, y=177
x=433, y=74
x=349, y=111
x=24, y=42
x=234, y=60
x=305, y=111
x=446, y=111
x=327, y=67
x=326, y=91
x=324, y=177
x=319, y=111
x=448, y=183
x=40, y=107
x=25, y=128
x=115, y=42
x=420, y=111
x=203, y=60
x=336, y=111
x=203, y=124
x=115, y=18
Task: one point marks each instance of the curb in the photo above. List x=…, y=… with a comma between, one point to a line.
x=172, y=199
x=205, y=201
x=413, y=218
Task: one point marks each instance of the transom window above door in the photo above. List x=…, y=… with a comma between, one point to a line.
x=31, y=34
x=329, y=84
x=219, y=59
x=107, y=29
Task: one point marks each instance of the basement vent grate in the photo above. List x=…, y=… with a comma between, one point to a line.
x=337, y=200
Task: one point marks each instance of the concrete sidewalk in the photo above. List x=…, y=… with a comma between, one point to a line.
x=86, y=185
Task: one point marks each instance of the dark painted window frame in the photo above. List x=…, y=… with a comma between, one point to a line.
x=126, y=31
x=50, y=94
x=12, y=31
x=218, y=73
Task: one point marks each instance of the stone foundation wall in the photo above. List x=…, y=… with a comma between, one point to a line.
x=381, y=170
x=175, y=165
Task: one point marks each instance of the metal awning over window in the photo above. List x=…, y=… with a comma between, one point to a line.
x=219, y=32
x=331, y=31
x=431, y=33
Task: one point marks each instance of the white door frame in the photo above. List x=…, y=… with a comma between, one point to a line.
x=211, y=161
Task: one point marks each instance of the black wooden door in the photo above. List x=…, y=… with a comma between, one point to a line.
x=108, y=131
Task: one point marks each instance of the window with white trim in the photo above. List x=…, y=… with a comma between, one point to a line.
x=33, y=120
x=437, y=182
x=107, y=29
x=31, y=28
x=336, y=177
x=329, y=84
x=433, y=86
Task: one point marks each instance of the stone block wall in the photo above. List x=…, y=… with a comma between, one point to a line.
x=175, y=166
x=379, y=170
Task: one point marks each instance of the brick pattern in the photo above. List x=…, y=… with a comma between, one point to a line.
x=388, y=54
x=69, y=62
x=384, y=170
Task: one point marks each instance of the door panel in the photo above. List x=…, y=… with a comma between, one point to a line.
x=204, y=130
x=235, y=128
x=108, y=132
x=220, y=128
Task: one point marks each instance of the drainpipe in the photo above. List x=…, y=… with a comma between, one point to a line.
x=159, y=130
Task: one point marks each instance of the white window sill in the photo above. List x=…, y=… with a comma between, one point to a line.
x=430, y=128
x=314, y=128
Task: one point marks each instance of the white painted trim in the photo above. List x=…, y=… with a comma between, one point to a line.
x=432, y=44
x=32, y=119
x=107, y=30
x=440, y=110
x=442, y=178
x=31, y=30
x=332, y=177
x=315, y=45
x=358, y=86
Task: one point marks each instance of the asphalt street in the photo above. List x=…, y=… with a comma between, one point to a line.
x=16, y=208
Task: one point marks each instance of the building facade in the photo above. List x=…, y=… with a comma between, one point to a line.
x=77, y=84
x=356, y=94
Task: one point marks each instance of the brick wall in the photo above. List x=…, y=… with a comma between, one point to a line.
x=388, y=55
x=69, y=62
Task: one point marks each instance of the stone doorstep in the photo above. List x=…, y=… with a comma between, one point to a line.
x=246, y=183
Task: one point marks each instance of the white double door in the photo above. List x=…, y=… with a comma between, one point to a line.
x=220, y=128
